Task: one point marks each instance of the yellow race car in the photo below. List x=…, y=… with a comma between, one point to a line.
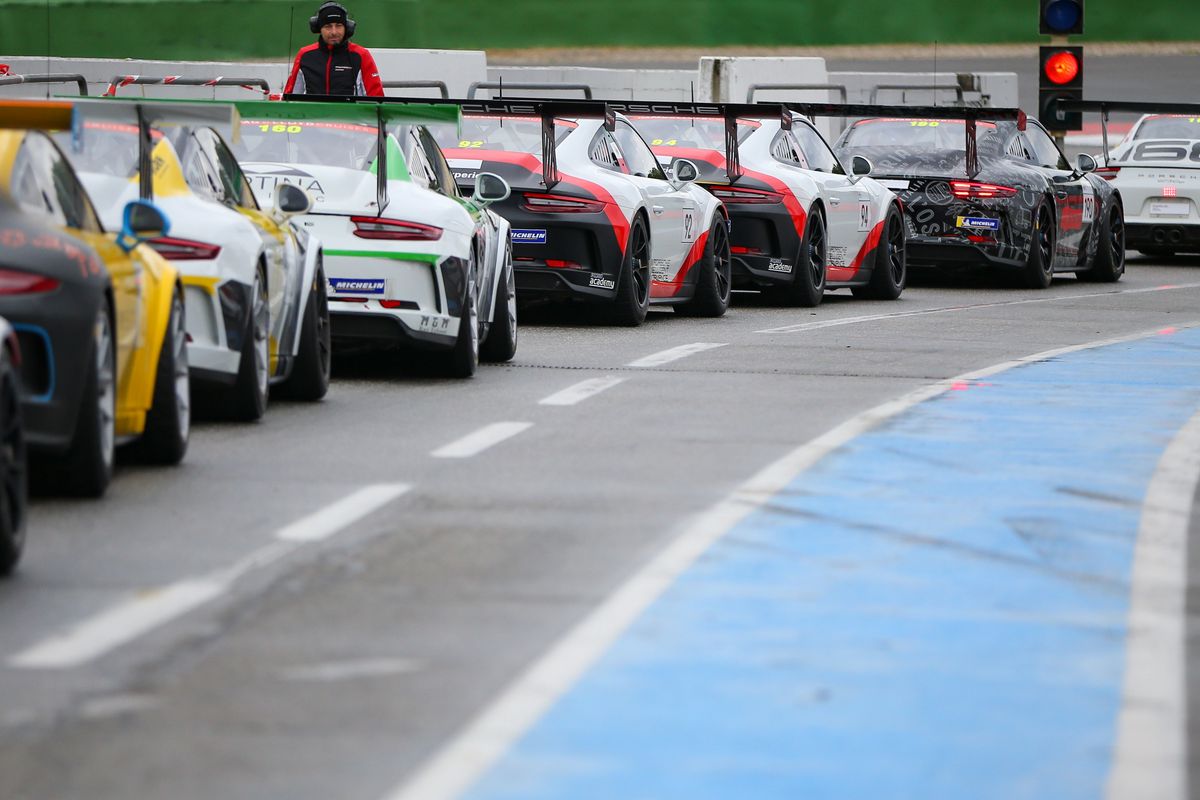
x=99, y=316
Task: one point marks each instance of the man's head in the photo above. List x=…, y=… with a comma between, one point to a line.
x=333, y=23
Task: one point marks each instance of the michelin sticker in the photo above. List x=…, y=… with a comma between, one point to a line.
x=528, y=236
x=978, y=223
x=601, y=282
x=357, y=285
x=778, y=265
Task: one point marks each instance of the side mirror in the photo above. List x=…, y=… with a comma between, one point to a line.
x=684, y=171
x=291, y=200
x=861, y=166
x=490, y=188
x=1085, y=163
x=141, y=221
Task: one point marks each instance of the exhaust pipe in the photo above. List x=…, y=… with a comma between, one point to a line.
x=1176, y=236
x=1159, y=236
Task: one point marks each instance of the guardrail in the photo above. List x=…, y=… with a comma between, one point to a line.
x=441, y=86
x=119, y=81
x=544, y=87
x=840, y=88
x=50, y=77
x=903, y=87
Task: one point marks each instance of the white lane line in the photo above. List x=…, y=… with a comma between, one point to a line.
x=462, y=761
x=674, y=354
x=332, y=518
x=581, y=391
x=835, y=323
x=475, y=443
x=147, y=610
x=1150, y=755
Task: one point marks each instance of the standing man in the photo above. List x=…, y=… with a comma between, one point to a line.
x=334, y=65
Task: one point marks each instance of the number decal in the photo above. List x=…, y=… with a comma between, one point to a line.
x=470, y=144
x=864, y=216
x=1164, y=150
x=689, y=225
x=1089, y=208
x=664, y=142
x=279, y=127
x=924, y=123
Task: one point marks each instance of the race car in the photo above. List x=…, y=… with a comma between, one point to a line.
x=254, y=285
x=1156, y=170
x=410, y=262
x=799, y=222
x=99, y=316
x=989, y=187
x=595, y=217
x=14, y=488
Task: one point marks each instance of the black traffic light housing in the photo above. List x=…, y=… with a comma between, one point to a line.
x=1061, y=17
x=1060, y=77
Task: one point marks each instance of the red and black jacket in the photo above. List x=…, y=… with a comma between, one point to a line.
x=343, y=68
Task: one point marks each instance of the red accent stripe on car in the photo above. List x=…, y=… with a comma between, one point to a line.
x=848, y=273
x=673, y=288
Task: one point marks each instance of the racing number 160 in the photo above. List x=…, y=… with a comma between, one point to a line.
x=266, y=127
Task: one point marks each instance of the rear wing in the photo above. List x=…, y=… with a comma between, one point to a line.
x=969, y=115
x=545, y=110
x=1105, y=107
x=49, y=77
x=45, y=115
x=119, y=81
x=146, y=115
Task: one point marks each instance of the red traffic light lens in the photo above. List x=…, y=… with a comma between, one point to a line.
x=1062, y=67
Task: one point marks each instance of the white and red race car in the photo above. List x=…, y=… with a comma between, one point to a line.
x=595, y=217
x=801, y=222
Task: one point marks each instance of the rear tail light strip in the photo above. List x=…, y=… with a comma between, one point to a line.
x=175, y=249
x=560, y=204
x=394, y=229
x=982, y=191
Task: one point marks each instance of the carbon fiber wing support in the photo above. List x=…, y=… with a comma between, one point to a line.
x=969, y=115
x=545, y=110
x=1106, y=107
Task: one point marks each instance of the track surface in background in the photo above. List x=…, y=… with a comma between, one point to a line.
x=324, y=599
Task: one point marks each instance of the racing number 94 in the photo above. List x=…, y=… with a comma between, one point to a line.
x=1167, y=150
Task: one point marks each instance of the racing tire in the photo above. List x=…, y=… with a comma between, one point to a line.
x=807, y=288
x=14, y=476
x=248, y=395
x=309, y=380
x=714, y=284
x=1109, y=265
x=1038, y=271
x=890, y=272
x=464, y=356
x=87, y=468
x=632, y=300
x=165, y=439
x=501, y=342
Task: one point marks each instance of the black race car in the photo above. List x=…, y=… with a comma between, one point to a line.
x=990, y=187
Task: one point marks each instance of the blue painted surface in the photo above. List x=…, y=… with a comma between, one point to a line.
x=935, y=611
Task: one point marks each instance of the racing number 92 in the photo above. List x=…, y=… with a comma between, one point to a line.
x=470, y=144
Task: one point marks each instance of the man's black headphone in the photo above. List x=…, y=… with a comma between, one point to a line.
x=314, y=22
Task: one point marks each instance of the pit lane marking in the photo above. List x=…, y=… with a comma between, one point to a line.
x=834, y=323
x=475, y=443
x=463, y=760
x=577, y=393
x=145, y=611
x=674, y=354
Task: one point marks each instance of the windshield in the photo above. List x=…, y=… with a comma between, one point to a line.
x=932, y=134
x=106, y=148
x=330, y=144
x=705, y=133
x=509, y=134
x=922, y=146
x=1168, y=126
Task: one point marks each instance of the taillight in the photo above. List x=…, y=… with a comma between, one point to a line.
x=1108, y=173
x=977, y=190
x=13, y=282
x=395, y=229
x=174, y=249
x=558, y=263
x=742, y=194
x=560, y=204
x=744, y=251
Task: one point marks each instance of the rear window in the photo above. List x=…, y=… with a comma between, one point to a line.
x=1169, y=126
x=933, y=134
x=105, y=148
x=506, y=134
x=705, y=133
x=329, y=144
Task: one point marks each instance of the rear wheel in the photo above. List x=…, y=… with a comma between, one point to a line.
x=1109, y=265
x=1039, y=267
x=501, y=342
x=165, y=439
x=632, y=302
x=890, y=272
x=808, y=283
x=249, y=392
x=87, y=468
x=715, y=280
x=13, y=476
x=464, y=358
x=310, y=374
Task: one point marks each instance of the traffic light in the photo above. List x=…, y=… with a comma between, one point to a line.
x=1060, y=77
x=1061, y=17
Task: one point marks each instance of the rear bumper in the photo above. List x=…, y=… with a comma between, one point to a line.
x=1162, y=235
x=950, y=253
x=371, y=324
